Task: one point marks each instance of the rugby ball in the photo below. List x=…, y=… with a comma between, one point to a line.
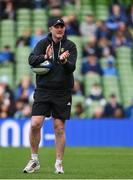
x=42, y=68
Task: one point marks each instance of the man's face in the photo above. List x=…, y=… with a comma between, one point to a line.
x=58, y=31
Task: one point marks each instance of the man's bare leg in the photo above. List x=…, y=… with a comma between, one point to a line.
x=60, y=140
x=35, y=133
x=36, y=124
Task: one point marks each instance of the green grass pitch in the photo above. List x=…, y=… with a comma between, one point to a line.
x=79, y=163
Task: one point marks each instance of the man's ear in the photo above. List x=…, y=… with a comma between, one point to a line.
x=50, y=28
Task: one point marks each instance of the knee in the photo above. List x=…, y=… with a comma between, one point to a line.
x=59, y=130
x=35, y=126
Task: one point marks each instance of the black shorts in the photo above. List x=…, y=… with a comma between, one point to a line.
x=53, y=103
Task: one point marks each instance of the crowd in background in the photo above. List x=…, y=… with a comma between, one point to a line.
x=104, y=38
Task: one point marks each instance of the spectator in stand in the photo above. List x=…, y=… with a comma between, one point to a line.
x=91, y=47
x=27, y=111
x=98, y=112
x=54, y=4
x=104, y=45
x=119, y=113
x=79, y=111
x=54, y=13
x=122, y=37
x=35, y=38
x=96, y=94
x=25, y=39
x=25, y=89
x=91, y=65
x=102, y=30
x=1, y=9
x=109, y=69
x=7, y=103
x=107, y=58
x=38, y=4
x=23, y=4
x=113, y=109
x=129, y=110
x=116, y=16
x=72, y=25
x=6, y=55
x=8, y=11
x=78, y=88
x=88, y=27
x=123, y=28
x=19, y=104
x=75, y=3
x=119, y=40
x=24, y=111
x=130, y=16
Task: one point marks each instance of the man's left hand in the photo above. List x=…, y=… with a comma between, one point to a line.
x=64, y=56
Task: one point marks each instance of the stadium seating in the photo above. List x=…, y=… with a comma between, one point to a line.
x=77, y=41
x=23, y=20
x=7, y=33
x=22, y=67
x=7, y=71
x=68, y=9
x=39, y=19
x=85, y=10
x=77, y=99
x=111, y=86
x=86, y=2
x=124, y=55
x=89, y=80
x=121, y=85
x=90, y=110
x=101, y=11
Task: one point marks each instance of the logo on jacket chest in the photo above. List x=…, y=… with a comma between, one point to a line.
x=62, y=50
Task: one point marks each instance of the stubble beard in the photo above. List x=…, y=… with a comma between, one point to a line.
x=59, y=37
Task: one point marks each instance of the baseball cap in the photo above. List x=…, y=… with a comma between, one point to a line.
x=56, y=21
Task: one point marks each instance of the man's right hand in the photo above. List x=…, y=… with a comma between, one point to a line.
x=49, y=52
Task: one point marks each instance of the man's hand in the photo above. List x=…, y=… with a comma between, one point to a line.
x=49, y=52
x=63, y=57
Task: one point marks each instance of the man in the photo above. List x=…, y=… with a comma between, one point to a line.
x=53, y=93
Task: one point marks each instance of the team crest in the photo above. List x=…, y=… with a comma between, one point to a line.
x=62, y=49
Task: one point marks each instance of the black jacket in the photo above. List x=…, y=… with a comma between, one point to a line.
x=61, y=76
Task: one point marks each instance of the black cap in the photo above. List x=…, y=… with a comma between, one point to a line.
x=55, y=21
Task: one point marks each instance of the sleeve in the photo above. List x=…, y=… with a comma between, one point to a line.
x=71, y=62
x=37, y=55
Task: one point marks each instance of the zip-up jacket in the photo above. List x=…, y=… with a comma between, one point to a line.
x=61, y=75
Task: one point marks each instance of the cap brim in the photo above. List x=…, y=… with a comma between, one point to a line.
x=59, y=24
